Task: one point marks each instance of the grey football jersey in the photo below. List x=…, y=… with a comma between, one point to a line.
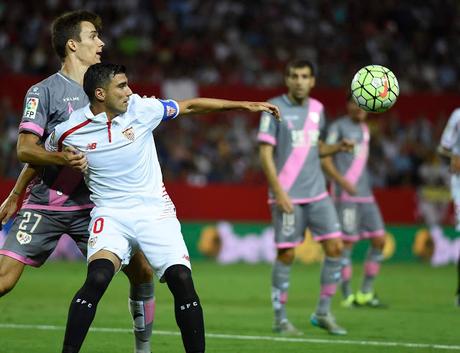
x=296, y=147
x=352, y=165
x=47, y=104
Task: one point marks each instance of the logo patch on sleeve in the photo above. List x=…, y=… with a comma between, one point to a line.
x=170, y=111
x=30, y=109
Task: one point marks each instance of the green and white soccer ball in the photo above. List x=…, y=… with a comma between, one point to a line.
x=375, y=88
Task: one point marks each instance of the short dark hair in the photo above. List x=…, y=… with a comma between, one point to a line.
x=68, y=26
x=99, y=76
x=298, y=64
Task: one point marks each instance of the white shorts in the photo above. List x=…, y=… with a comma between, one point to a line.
x=124, y=232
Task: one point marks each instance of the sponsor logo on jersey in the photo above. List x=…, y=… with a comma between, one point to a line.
x=91, y=146
x=70, y=99
x=34, y=91
x=30, y=109
x=23, y=237
x=314, y=116
x=129, y=133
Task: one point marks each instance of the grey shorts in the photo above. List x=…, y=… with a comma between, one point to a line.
x=35, y=233
x=319, y=216
x=360, y=220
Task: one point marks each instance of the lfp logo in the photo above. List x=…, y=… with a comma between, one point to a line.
x=31, y=107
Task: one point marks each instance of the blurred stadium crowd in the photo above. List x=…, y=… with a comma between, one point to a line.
x=249, y=42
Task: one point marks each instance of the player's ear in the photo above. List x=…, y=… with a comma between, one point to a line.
x=99, y=94
x=71, y=45
x=313, y=82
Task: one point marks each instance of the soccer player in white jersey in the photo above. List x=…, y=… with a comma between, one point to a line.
x=132, y=208
x=450, y=147
x=290, y=155
x=58, y=200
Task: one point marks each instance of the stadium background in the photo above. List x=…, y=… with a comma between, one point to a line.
x=238, y=50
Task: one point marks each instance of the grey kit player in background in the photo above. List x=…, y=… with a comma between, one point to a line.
x=290, y=155
x=359, y=214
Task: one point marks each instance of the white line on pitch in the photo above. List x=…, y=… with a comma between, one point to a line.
x=248, y=338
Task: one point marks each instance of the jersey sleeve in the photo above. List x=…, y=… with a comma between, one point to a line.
x=35, y=112
x=333, y=133
x=451, y=135
x=153, y=111
x=268, y=128
x=53, y=140
x=322, y=126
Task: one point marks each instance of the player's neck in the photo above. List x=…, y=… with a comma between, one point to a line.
x=97, y=108
x=74, y=70
x=297, y=101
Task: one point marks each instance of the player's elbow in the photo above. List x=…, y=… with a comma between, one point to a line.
x=22, y=153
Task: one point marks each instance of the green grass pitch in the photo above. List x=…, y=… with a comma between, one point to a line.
x=421, y=316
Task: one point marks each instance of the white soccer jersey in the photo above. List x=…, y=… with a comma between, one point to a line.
x=451, y=135
x=123, y=168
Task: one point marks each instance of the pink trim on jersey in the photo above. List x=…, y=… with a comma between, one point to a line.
x=374, y=234
x=149, y=311
x=264, y=137
x=327, y=236
x=66, y=182
x=306, y=200
x=56, y=208
x=283, y=297
x=20, y=258
x=328, y=290
x=371, y=268
x=359, y=163
x=29, y=126
x=294, y=164
x=288, y=245
x=350, y=238
x=358, y=199
x=347, y=271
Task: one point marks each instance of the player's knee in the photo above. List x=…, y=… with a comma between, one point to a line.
x=139, y=272
x=333, y=247
x=100, y=273
x=9, y=275
x=378, y=243
x=286, y=256
x=180, y=282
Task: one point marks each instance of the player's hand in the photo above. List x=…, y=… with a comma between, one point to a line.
x=349, y=188
x=283, y=202
x=455, y=164
x=75, y=159
x=346, y=145
x=8, y=208
x=264, y=107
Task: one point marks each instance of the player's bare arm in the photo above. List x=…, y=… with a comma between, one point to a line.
x=30, y=150
x=209, y=105
x=330, y=169
x=10, y=204
x=330, y=149
x=268, y=165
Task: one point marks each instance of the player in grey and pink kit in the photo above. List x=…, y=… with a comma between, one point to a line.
x=290, y=155
x=359, y=214
x=57, y=201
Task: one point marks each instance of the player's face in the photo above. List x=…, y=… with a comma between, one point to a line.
x=299, y=82
x=117, y=95
x=355, y=112
x=89, y=48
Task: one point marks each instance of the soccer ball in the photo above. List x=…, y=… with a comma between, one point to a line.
x=375, y=88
